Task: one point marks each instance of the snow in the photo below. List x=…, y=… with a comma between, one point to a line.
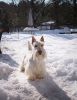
x=30, y=29
x=47, y=23
x=60, y=82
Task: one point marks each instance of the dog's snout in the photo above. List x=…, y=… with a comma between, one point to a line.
x=40, y=52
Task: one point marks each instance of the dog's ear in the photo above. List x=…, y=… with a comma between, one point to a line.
x=42, y=39
x=33, y=39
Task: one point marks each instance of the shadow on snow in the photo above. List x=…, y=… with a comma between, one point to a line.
x=49, y=89
x=5, y=58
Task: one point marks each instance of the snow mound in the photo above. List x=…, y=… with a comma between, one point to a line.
x=18, y=88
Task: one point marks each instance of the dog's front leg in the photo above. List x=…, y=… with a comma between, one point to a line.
x=30, y=75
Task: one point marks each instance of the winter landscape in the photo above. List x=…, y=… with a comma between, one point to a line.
x=60, y=82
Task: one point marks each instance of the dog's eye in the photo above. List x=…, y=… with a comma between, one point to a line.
x=35, y=45
x=42, y=45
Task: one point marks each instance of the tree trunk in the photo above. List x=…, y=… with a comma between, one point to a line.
x=74, y=13
x=56, y=11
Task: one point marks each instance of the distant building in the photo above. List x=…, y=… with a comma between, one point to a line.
x=47, y=25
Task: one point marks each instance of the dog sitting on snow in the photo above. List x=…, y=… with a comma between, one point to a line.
x=33, y=64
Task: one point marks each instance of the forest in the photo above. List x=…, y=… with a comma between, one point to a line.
x=63, y=12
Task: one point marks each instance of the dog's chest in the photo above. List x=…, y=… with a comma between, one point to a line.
x=36, y=64
x=39, y=64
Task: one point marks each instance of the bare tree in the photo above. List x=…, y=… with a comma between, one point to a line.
x=74, y=11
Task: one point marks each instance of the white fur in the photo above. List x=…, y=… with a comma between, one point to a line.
x=33, y=64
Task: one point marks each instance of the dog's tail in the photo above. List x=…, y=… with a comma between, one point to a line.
x=29, y=46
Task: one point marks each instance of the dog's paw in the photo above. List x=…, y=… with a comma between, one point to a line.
x=31, y=78
x=40, y=77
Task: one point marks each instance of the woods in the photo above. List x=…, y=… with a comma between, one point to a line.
x=63, y=12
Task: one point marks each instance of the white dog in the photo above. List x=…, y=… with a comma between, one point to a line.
x=33, y=64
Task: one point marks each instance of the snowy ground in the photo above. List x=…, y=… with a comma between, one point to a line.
x=60, y=82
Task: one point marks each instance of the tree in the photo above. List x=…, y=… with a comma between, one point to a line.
x=74, y=12
x=56, y=11
x=36, y=6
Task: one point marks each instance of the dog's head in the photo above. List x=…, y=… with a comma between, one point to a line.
x=38, y=48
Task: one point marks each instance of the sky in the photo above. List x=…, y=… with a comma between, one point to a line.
x=8, y=1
